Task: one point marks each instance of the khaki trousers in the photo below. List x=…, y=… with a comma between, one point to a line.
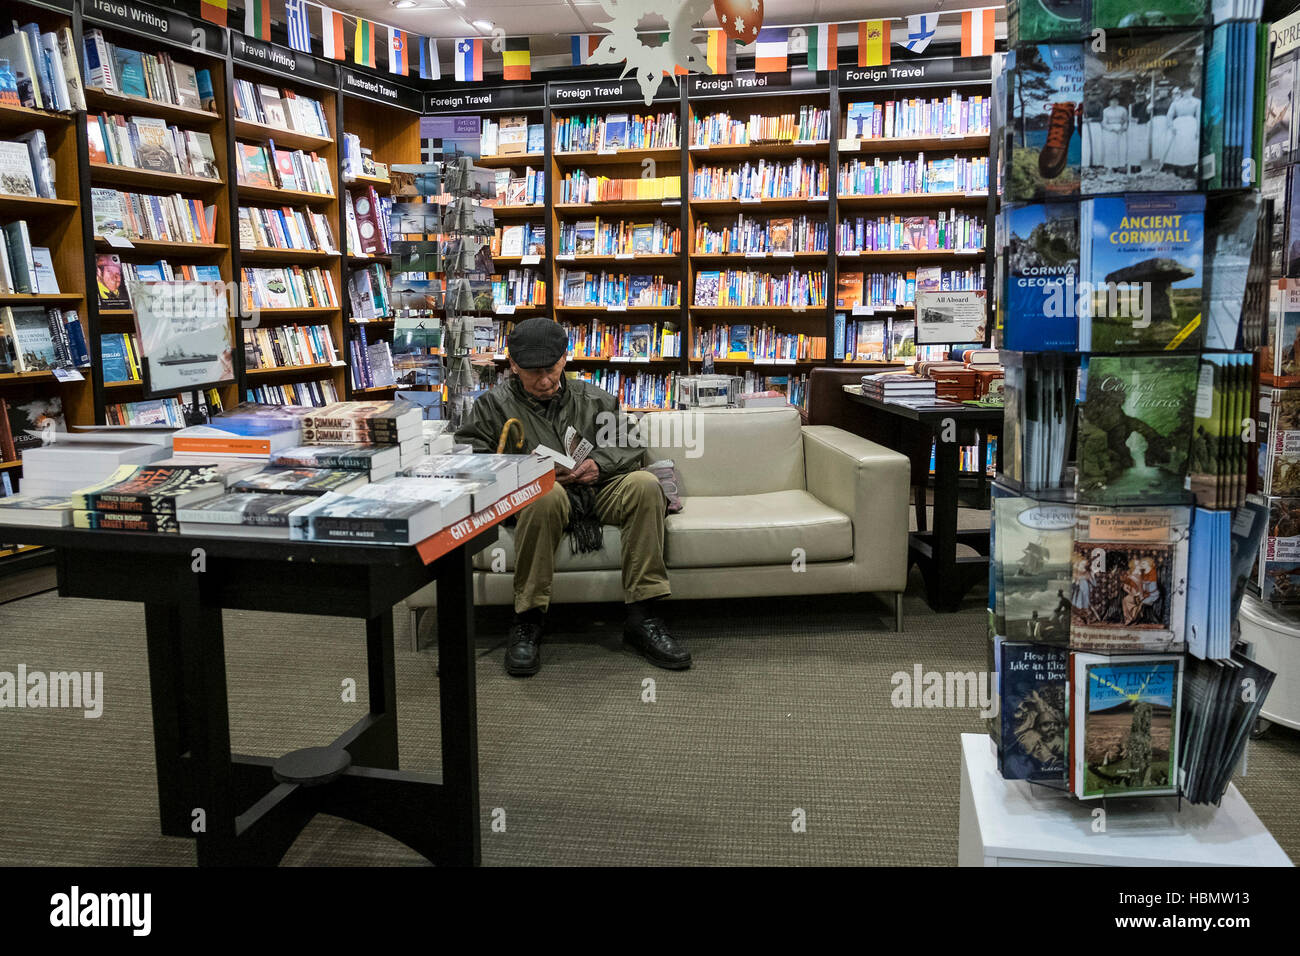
x=633, y=502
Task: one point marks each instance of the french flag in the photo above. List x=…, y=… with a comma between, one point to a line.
x=469, y=60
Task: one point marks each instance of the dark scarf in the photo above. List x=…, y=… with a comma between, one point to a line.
x=583, y=529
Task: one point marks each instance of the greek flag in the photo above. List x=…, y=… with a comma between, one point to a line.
x=920, y=31
x=295, y=15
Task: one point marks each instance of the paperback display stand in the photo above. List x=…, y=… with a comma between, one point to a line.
x=1123, y=519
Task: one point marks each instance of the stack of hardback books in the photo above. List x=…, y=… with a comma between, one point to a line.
x=891, y=386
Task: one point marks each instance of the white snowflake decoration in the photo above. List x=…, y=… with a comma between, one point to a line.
x=651, y=63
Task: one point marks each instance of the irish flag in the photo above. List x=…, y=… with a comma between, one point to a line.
x=363, y=44
x=331, y=30
x=770, y=50
x=823, y=46
x=977, y=32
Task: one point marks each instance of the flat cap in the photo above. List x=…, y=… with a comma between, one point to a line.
x=537, y=343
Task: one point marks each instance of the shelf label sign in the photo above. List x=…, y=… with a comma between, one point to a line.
x=380, y=90
x=602, y=91
x=282, y=60
x=169, y=25
x=950, y=318
x=796, y=81
x=939, y=70
x=505, y=98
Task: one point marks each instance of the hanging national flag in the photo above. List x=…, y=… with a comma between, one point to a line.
x=257, y=19
x=469, y=60
x=295, y=16
x=677, y=69
x=770, y=50
x=583, y=45
x=977, y=32
x=720, y=54
x=823, y=46
x=517, y=59
x=331, y=33
x=873, y=43
x=363, y=44
x=398, y=41
x=214, y=11
x=920, y=31
x=430, y=68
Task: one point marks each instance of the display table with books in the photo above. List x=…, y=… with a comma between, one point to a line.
x=342, y=511
x=1016, y=823
x=948, y=575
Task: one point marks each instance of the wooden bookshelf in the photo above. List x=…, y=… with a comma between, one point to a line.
x=391, y=133
x=252, y=132
x=214, y=193
x=21, y=207
x=20, y=119
x=275, y=196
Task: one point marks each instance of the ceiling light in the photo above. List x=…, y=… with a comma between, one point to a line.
x=483, y=24
x=402, y=4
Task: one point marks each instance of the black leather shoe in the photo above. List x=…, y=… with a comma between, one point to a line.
x=655, y=644
x=523, y=651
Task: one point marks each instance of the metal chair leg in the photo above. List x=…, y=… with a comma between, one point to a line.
x=415, y=628
x=898, y=612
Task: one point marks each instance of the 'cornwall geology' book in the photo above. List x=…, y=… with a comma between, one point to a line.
x=1042, y=274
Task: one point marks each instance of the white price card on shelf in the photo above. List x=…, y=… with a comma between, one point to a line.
x=119, y=242
x=607, y=151
x=819, y=199
x=754, y=199
x=783, y=361
x=952, y=136
x=620, y=358
x=782, y=255
x=864, y=310
x=68, y=375
x=670, y=202
x=849, y=252
x=977, y=195
x=338, y=363
x=530, y=260
x=564, y=257
x=764, y=361
x=616, y=308
x=504, y=310
x=848, y=145
x=500, y=356
x=968, y=252
x=756, y=255
x=625, y=255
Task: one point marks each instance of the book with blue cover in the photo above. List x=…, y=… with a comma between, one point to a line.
x=112, y=350
x=1142, y=257
x=1032, y=682
x=1231, y=222
x=129, y=66
x=1041, y=275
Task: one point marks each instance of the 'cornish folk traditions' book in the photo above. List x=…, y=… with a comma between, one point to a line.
x=1046, y=100
x=1034, y=541
x=1135, y=426
x=1130, y=579
x=1124, y=722
x=1032, y=685
x=1141, y=256
x=1142, y=113
x=1042, y=274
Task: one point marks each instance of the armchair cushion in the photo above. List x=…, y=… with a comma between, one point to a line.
x=746, y=530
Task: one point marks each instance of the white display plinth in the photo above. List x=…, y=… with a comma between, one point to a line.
x=1015, y=823
x=1275, y=636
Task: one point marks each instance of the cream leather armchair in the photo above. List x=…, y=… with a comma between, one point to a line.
x=770, y=507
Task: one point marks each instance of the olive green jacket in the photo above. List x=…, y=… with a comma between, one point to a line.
x=578, y=404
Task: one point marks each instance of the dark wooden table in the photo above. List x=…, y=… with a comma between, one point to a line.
x=948, y=576
x=253, y=807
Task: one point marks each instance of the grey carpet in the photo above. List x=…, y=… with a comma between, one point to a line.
x=788, y=707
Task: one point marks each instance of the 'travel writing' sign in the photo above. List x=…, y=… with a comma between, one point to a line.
x=280, y=59
x=168, y=25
